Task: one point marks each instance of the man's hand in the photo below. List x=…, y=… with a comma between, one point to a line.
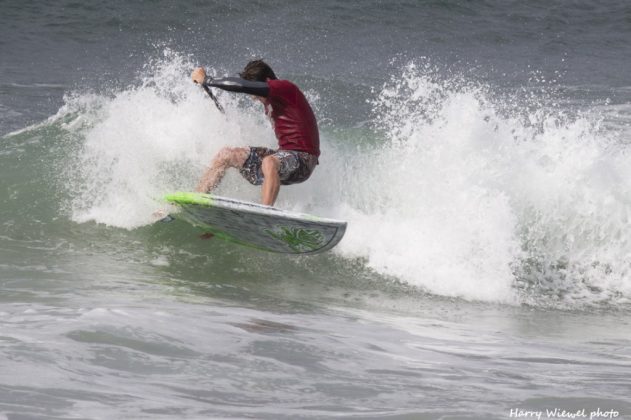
x=198, y=75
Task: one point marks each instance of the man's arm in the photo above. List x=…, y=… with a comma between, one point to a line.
x=236, y=84
x=232, y=84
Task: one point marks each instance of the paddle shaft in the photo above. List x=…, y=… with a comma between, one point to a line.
x=213, y=97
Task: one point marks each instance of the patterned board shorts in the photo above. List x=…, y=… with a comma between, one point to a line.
x=295, y=167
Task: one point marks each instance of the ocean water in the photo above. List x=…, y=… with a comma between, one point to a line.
x=480, y=152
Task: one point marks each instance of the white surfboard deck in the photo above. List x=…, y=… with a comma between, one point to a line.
x=258, y=226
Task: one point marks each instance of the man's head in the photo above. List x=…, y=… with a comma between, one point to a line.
x=257, y=70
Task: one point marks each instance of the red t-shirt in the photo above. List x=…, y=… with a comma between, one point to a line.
x=294, y=122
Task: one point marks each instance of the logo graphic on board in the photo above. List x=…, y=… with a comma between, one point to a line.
x=298, y=239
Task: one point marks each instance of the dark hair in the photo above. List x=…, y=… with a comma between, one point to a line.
x=257, y=70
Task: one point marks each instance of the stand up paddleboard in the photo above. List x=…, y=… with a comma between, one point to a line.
x=257, y=226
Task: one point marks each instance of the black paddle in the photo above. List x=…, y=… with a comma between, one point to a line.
x=213, y=97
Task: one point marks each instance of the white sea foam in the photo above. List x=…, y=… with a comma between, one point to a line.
x=148, y=140
x=464, y=197
x=487, y=203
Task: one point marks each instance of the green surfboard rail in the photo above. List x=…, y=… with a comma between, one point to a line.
x=190, y=198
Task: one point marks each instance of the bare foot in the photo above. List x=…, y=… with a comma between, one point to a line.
x=159, y=214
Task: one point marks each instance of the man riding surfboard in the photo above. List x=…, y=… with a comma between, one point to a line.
x=294, y=124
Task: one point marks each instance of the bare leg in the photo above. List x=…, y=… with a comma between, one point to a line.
x=228, y=157
x=271, y=180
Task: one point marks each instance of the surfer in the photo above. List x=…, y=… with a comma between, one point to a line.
x=294, y=124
